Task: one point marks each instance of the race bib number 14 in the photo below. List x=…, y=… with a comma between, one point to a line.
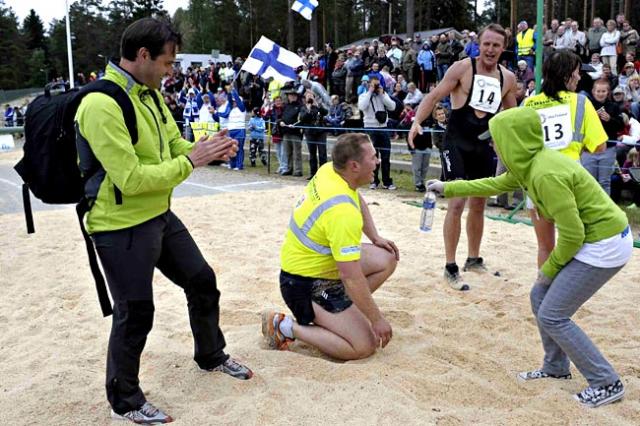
x=486, y=94
x=557, y=130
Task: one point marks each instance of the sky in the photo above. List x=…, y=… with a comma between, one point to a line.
x=50, y=9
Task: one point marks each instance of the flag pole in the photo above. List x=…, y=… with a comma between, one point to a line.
x=69, y=52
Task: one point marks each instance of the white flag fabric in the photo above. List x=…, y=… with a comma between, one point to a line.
x=267, y=59
x=305, y=7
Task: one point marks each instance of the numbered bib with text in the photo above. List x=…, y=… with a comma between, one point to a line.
x=486, y=94
x=556, y=126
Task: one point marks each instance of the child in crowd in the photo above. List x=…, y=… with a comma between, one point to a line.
x=439, y=125
x=256, y=138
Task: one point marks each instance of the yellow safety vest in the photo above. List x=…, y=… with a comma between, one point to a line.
x=525, y=42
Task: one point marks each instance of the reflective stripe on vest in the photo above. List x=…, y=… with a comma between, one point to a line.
x=301, y=233
x=578, y=136
x=525, y=43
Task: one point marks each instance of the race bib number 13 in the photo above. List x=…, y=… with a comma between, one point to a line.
x=486, y=94
x=557, y=130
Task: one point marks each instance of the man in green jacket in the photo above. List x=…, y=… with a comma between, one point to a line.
x=129, y=187
x=594, y=243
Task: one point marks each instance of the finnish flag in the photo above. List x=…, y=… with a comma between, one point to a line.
x=267, y=59
x=305, y=7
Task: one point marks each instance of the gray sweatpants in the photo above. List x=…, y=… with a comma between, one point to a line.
x=420, y=165
x=562, y=339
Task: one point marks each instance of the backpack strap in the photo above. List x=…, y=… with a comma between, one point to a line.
x=103, y=296
x=121, y=97
x=28, y=213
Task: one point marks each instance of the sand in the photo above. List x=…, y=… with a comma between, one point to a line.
x=452, y=360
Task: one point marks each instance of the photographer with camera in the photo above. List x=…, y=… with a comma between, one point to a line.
x=375, y=104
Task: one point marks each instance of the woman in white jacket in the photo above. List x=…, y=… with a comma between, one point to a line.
x=608, y=42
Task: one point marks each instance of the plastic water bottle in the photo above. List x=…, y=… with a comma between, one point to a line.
x=428, y=210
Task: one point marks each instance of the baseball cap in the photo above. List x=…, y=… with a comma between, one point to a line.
x=191, y=92
x=365, y=78
x=629, y=64
x=618, y=90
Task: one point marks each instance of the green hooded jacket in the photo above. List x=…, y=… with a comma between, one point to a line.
x=562, y=190
x=138, y=180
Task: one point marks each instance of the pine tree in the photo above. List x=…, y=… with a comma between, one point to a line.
x=12, y=52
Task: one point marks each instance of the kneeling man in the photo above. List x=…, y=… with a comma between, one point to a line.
x=327, y=275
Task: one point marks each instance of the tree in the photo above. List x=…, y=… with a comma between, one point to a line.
x=12, y=52
x=33, y=31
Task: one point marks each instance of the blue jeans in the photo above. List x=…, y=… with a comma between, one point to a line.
x=442, y=69
x=238, y=160
x=278, y=148
x=601, y=165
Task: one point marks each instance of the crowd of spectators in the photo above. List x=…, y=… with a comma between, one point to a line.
x=339, y=89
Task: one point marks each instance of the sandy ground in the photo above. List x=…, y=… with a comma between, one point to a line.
x=452, y=360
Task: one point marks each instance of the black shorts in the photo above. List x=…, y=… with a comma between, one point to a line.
x=298, y=293
x=463, y=163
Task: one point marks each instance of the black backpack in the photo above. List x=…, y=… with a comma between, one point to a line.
x=49, y=167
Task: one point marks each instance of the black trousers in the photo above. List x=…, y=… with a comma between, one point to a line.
x=129, y=257
x=317, y=146
x=382, y=144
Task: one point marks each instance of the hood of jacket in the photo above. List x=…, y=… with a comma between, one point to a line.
x=517, y=137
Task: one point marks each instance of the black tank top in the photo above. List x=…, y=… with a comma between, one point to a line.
x=464, y=125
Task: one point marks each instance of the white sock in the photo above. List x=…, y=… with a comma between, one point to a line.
x=286, y=327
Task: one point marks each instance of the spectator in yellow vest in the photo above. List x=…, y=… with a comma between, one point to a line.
x=525, y=44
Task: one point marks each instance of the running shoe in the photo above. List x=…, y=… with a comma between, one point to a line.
x=145, y=415
x=391, y=187
x=373, y=186
x=474, y=264
x=271, y=330
x=455, y=280
x=603, y=395
x=539, y=374
x=234, y=369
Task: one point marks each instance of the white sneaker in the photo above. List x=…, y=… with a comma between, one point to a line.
x=603, y=395
x=539, y=374
x=146, y=415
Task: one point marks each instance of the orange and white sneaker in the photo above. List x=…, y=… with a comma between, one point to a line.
x=271, y=330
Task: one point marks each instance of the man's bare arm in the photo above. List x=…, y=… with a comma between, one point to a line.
x=445, y=87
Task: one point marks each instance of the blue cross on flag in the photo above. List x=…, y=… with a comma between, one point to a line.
x=305, y=7
x=267, y=59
